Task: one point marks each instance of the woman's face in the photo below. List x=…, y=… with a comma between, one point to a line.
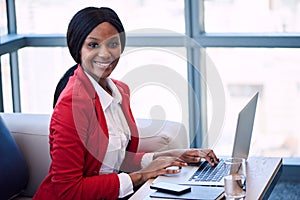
x=101, y=51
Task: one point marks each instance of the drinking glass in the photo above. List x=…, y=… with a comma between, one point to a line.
x=235, y=180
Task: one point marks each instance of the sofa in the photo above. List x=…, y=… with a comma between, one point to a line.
x=25, y=149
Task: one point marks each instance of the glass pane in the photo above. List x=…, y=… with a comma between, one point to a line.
x=273, y=72
x=6, y=83
x=53, y=16
x=157, y=78
x=3, y=18
x=252, y=16
x=40, y=71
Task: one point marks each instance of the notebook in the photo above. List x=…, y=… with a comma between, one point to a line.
x=197, y=192
x=213, y=176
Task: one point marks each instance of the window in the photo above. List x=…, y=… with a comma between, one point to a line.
x=252, y=16
x=6, y=83
x=40, y=70
x=46, y=16
x=274, y=73
x=157, y=78
x=145, y=70
x=38, y=76
x=3, y=21
x=241, y=67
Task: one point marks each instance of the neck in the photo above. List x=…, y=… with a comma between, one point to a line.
x=103, y=84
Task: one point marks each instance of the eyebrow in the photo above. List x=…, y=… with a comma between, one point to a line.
x=94, y=38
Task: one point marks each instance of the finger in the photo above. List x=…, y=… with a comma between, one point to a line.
x=178, y=164
x=195, y=159
x=180, y=160
x=211, y=158
x=214, y=157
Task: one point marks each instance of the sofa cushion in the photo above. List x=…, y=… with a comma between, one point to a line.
x=13, y=169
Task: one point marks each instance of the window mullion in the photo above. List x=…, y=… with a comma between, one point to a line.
x=197, y=119
x=11, y=17
x=13, y=56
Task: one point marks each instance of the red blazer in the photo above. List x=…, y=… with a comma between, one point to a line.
x=78, y=143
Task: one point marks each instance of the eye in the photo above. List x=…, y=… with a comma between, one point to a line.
x=113, y=44
x=93, y=45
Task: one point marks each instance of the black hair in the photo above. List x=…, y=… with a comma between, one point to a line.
x=63, y=82
x=84, y=21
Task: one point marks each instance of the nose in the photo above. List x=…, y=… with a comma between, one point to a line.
x=104, y=52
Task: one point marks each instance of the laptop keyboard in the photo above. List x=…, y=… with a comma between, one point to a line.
x=208, y=173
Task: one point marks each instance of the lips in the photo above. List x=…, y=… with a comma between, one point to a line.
x=103, y=65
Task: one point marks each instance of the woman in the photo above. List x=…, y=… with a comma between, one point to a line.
x=93, y=135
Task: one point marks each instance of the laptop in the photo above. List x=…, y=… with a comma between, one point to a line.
x=213, y=176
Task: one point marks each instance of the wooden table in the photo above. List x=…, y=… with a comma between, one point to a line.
x=262, y=176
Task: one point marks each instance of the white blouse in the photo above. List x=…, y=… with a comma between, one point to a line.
x=119, y=135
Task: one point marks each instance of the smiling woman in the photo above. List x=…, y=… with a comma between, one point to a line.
x=262, y=50
x=93, y=135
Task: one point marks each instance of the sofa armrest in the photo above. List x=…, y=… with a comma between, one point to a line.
x=159, y=135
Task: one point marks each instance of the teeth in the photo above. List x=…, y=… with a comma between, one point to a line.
x=102, y=64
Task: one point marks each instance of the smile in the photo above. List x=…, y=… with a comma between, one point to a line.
x=102, y=65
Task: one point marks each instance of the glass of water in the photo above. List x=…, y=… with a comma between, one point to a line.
x=235, y=180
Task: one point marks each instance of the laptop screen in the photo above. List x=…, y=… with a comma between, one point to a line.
x=244, y=129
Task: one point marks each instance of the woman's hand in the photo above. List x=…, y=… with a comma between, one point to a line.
x=176, y=157
x=195, y=156
x=158, y=166
x=191, y=155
